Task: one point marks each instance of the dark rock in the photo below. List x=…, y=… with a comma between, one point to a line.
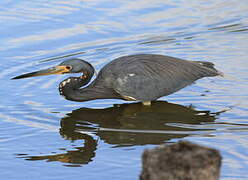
x=181, y=161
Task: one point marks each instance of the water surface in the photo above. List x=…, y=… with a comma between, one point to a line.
x=44, y=136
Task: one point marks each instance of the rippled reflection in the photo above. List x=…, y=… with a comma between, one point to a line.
x=127, y=125
x=81, y=155
x=35, y=35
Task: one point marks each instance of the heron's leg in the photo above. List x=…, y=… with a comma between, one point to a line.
x=147, y=103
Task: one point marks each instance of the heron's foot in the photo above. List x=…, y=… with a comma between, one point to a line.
x=147, y=103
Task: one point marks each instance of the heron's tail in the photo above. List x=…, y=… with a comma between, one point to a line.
x=210, y=66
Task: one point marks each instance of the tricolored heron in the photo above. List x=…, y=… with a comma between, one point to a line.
x=143, y=77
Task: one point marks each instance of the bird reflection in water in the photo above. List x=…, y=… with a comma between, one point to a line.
x=72, y=158
x=127, y=125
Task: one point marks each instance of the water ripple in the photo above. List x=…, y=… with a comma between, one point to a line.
x=39, y=126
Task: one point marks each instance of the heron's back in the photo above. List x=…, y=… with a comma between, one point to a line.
x=148, y=76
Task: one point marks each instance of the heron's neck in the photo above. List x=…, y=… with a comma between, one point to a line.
x=91, y=93
x=70, y=89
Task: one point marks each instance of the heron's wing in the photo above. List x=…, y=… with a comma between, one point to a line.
x=151, y=79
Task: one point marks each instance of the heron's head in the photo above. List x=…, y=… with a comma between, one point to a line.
x=67, y=66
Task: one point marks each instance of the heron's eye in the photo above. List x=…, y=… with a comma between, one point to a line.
x=68, y=67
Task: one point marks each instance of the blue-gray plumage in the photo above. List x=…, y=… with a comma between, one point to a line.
x=143, y=77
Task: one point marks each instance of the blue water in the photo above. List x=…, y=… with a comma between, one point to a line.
x=44, y=136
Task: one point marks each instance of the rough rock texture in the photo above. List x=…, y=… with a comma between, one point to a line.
x=181, y=161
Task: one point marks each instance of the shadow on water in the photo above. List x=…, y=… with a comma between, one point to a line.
x=126, y=125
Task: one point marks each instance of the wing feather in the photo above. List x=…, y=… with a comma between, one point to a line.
x=148, y=77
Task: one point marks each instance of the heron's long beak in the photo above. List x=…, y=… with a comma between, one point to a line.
x=53, y=70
